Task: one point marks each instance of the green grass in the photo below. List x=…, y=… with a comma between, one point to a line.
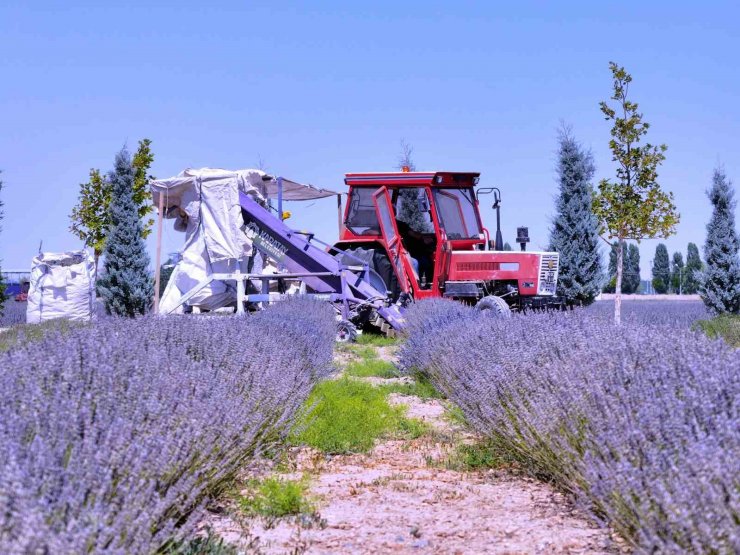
x=455, y=415
x=421, y=387
x=25, y=333
x=372, y=368
x=376, y=339
x=211, y=544
x=274, y=497
x=348, y=416
x=364, y=352
x=726, y=326
x=470, y=457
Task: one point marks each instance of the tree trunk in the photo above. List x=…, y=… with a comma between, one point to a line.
x=618, y=290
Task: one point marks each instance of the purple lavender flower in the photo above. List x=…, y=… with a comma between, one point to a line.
x=641, y=423
x=113, y=436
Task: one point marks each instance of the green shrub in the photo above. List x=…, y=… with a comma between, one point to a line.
x=274, y=497
x=726, y=326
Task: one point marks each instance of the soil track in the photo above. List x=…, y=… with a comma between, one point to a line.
x=402, y=498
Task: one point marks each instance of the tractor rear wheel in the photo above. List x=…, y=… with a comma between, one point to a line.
x=494, y=306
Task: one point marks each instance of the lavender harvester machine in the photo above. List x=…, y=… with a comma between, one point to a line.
x=325, y=272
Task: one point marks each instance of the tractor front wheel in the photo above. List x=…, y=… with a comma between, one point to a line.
x=494, y=306
x=346, y=332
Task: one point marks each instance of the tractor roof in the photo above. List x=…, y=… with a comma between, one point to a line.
x=407, y=179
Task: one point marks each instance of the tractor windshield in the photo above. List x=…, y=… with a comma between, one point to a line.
x=457, y=213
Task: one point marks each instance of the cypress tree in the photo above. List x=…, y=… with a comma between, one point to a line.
x=611, y=284
x=632, y=271
x=677, y=273
x=410, y=210
x=693, y=268
x=126, y=287
x=720, y=281
x=507, y=246
x=575, y=229
x=661, y=270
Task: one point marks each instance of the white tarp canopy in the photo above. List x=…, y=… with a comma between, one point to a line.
x=62, y=285
x=205, y=205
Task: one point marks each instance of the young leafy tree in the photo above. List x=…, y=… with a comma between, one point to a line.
x=126, y=287
x=89, y=218
x=677, y=273
x=661, y=270
x=693, y=269
x=3, y=287
x=633, y=206
x=632, y=270
x=719, y=283
x=575, y=229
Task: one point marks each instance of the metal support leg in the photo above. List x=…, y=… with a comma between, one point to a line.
x=239, y=293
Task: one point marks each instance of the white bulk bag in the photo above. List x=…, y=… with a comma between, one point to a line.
x=62, y=286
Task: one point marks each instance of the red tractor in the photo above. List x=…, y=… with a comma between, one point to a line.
x=422, y=234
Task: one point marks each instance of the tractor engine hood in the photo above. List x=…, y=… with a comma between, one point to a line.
x=535, y=273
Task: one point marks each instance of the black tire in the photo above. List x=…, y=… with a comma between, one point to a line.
x=494, y=306
x=346, y=332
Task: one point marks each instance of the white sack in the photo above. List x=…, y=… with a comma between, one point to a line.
x=205, y=205
x=62, y=286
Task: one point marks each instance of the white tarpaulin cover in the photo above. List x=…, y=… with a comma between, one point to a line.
x=205, y=205
x=62, y=286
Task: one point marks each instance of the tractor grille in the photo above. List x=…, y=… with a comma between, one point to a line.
x=548, y=273
x=476, y=266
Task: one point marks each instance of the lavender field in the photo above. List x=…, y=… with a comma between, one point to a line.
x=639, y=423
x=114, y=436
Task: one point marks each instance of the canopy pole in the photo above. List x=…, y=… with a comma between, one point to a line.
x=339, y=213
x=159, y=254
x=280, y=197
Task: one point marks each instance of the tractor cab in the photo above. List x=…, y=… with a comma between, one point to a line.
x=423, y=235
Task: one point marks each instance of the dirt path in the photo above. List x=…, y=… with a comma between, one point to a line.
x=402, y=498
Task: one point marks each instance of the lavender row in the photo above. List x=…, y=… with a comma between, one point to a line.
x=13, y=313
x=113, y=436
x=641, y=423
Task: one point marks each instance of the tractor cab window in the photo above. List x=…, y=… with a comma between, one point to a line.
x=457, y=213
x=361, y=216
x=412, y=208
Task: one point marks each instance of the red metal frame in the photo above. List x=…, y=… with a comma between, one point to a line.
x=454, y=260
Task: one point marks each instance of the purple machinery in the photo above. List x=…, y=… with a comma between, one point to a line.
x=347, y=286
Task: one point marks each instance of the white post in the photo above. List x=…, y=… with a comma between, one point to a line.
x=239, y=291
x=159, y=254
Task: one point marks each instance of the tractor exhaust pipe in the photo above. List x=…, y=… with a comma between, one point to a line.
x=499, y=244
x=522, y=237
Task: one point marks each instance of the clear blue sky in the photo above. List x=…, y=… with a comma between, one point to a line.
x=318, y=89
